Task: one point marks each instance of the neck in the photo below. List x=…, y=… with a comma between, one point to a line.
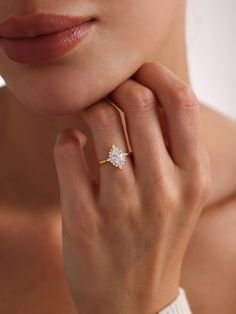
x=173, y=52
x=32, y=136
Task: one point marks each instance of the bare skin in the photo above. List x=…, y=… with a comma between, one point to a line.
x=31, y=267
x=38, y=262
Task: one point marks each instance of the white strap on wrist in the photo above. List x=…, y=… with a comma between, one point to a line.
x=179, y=306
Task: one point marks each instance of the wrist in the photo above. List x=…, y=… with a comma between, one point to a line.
x=156, y=295
x=179, y=305
x=149, y=303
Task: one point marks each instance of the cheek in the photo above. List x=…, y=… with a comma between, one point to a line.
x=144, y=25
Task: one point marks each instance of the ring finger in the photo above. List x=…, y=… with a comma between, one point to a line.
x=107, y=129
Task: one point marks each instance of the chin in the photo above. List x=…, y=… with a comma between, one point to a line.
x=65, y=89
x=60, y=95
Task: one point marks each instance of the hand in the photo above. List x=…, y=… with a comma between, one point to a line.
x=125, y=236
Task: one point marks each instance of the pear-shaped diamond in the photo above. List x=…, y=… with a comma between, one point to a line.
x=116, y=157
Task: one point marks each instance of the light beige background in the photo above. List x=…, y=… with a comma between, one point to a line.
x=211, y=33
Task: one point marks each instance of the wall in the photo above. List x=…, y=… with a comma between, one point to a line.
x=211, y=33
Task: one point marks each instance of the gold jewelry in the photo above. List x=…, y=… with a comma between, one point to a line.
x=116, y=157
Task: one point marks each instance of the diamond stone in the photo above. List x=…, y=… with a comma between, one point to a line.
x=116, y=157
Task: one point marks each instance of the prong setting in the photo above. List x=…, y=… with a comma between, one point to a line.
x=116, y=157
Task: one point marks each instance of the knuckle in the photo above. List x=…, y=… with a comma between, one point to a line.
x=184, y=98
x=141, y=98
x=164, y=188
x=200, y=184
x=66, y=144
x=104, y=115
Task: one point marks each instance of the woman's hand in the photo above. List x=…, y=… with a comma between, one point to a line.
x=125, y=236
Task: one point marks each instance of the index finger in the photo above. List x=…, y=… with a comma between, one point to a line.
x=181, y=110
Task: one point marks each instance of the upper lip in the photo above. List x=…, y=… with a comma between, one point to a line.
x=32, y=25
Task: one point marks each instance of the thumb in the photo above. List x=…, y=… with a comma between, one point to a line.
x=75, y=183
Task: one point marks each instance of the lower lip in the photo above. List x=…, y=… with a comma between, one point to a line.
x=44, y=47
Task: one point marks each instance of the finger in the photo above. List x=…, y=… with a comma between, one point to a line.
x=143, y=124
x=181, y=107
x=75, y=181
x=107, y=129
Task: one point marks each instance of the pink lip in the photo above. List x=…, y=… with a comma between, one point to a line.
x=38, y=37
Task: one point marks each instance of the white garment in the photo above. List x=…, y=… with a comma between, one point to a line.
x=179, y=306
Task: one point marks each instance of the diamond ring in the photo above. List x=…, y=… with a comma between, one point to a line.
x=116, y=157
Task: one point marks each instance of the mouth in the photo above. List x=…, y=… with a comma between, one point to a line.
x=40, y=37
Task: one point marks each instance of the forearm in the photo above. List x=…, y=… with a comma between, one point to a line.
x=220, y=139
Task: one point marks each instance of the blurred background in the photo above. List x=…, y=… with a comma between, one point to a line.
x=211, y=33
x=211, y=40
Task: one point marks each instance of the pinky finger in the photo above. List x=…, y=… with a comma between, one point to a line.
x=75, y=182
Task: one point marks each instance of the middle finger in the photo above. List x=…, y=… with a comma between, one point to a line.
x=144, y=126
